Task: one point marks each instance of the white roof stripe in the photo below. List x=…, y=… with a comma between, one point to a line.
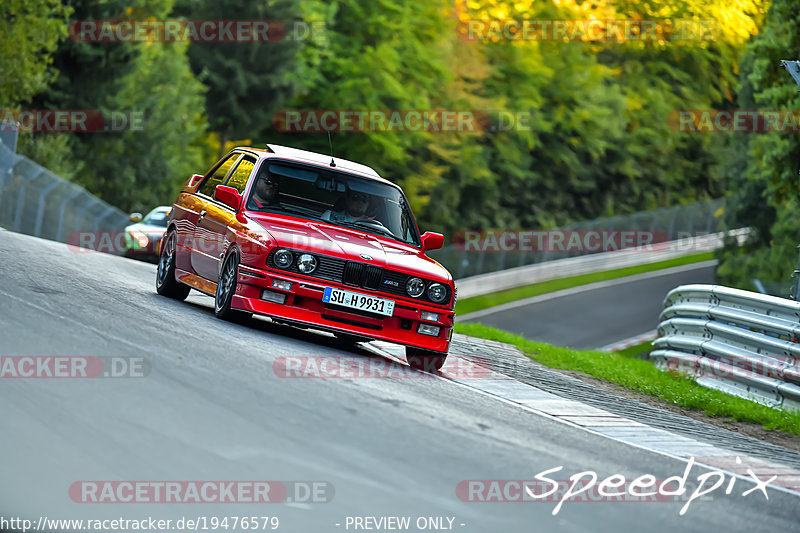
x=322, y=159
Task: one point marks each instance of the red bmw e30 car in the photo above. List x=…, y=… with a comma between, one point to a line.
x=311, y=240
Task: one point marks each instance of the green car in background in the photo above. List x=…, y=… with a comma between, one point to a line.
x=143, y=237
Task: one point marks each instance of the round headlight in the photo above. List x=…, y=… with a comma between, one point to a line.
x=306, y=263
x=415, y=287
x=283, y=258
x=437, y=292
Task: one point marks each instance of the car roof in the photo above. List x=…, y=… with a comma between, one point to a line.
x=273, y=150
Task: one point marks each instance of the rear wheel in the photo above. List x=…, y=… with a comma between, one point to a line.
x=166, y=284
x=226, y=287
x=426, y=360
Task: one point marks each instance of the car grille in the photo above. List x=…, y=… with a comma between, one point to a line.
x=372, y=277
x=355, y=274
x=330, y=268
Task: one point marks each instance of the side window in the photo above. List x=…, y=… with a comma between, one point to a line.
x=218, y=176
x=238, y=179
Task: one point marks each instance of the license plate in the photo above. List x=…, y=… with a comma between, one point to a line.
x=379, y=306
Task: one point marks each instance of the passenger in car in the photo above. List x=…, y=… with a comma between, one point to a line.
x=356, y=207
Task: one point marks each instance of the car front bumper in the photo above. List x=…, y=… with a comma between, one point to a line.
x=304, y=305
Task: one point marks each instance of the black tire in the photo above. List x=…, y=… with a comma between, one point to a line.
x=426, y=360
x=226, y=287
x=166, y=284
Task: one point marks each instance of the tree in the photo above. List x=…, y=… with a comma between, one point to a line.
x=29, y=33
x=149, y=83
x=763, y=173
x=246, y=81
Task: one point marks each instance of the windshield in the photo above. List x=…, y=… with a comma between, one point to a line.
x=157, y=218
x=333, y=197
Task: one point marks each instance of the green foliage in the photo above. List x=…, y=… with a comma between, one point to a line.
x=144, y=164
x=595, y=140
x=388, y=55
x=763, y=167
x=173, y=123
x=246, y=81
x=29, y=33
x=53, y=152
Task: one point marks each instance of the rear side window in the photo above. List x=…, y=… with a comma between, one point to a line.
x=238, y=179
x=218, y=176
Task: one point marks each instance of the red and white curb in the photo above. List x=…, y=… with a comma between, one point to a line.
x=614, y=426
x=632, y=341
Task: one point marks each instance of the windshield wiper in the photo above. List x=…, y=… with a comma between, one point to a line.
x=372, y=227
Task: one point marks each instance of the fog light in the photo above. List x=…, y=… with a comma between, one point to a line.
x=430, y=317
x=274, y=297
x=281, y=284
x=426, y=329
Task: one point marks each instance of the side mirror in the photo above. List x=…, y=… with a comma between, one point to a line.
x=136, y=217
x=228, y=196
x=195, y=179
x=432, y=241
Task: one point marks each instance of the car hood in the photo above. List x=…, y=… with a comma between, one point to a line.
x=352, y=245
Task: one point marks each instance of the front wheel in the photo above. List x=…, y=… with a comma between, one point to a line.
x=166, y=284
x=226, y=287
x=426, y=360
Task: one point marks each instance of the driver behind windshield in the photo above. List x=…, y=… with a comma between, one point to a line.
x=356, y=207
x=266, y=191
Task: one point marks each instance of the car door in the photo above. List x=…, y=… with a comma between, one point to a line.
x=212, y=228
x=187, y=211
x=204, y=243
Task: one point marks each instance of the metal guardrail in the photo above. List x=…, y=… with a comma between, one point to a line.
x=36, y=202
x=739, y=342
x=9, y=134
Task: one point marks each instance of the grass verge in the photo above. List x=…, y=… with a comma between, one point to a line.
x=640, y=375
x=476, y=303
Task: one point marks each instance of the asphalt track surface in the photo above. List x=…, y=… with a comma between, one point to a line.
x=213, y=409
x=596, y=317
